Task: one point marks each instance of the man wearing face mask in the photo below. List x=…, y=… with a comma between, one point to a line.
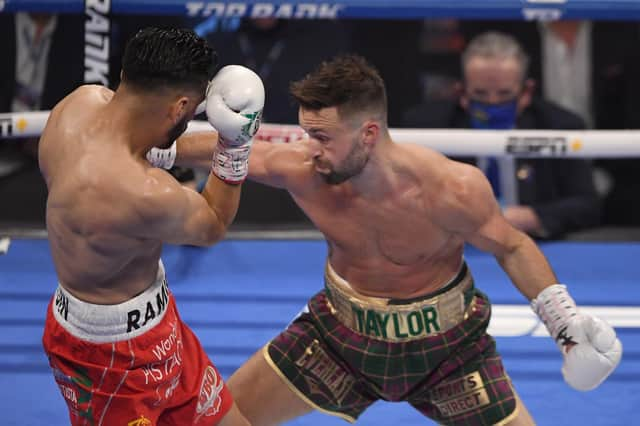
x=544, y=197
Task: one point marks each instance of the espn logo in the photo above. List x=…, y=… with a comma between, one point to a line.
x=6, y=127
x=537, y=145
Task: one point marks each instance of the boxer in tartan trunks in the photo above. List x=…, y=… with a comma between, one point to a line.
x=399, y=318
x=345, y=351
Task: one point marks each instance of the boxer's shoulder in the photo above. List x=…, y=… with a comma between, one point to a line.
x=88, y=94
x=85, y=100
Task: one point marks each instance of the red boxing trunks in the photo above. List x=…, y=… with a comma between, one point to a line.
x=132, y=364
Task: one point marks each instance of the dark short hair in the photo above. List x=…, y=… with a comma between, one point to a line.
x=157, y=58
x=347, y=82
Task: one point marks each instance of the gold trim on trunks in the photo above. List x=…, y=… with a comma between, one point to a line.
x=394, y=320
x=295, y=390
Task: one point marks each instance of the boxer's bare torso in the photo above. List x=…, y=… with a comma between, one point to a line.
x=395, y=236
x=389, y=244
x=108, y=210
x=95, y=183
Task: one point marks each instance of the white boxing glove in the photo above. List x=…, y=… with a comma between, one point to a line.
x=589, y=345
x=162, y=158
x=235, y=99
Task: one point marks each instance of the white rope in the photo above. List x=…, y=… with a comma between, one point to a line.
x=454, y=142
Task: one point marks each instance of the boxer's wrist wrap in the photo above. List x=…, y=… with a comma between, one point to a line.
x=162, y=158
x=555, y=307
x=231, y=163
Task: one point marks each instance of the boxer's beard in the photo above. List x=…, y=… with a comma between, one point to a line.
x=351, y=166
x=175, y=132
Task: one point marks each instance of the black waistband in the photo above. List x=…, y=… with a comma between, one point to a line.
x=464, y=270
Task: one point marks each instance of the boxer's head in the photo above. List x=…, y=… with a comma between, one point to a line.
x=171, y=67
x=343, y=108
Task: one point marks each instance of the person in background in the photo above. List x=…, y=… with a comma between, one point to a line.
x=547, y=198
x=42, y=56
x=590, y=68
x=30, y=78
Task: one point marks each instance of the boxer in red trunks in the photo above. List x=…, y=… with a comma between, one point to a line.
x=118, y=349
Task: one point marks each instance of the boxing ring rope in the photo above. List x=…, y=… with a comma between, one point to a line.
x=454, y=142
x=517, y=143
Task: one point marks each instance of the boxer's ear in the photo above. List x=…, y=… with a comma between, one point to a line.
x=370, y=132
x=178, y=109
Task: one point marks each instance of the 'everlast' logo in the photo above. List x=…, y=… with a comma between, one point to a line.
x=151, y=311
x=316, y=361
x=62, y=304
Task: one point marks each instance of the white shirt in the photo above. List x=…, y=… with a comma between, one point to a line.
x=31, y=61
x=566, y=73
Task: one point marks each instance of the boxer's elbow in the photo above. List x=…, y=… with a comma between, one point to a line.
x=512, y=245
x=205, y=229
x=212, y=234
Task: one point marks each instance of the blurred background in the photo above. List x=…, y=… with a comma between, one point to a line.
x=46, y=55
